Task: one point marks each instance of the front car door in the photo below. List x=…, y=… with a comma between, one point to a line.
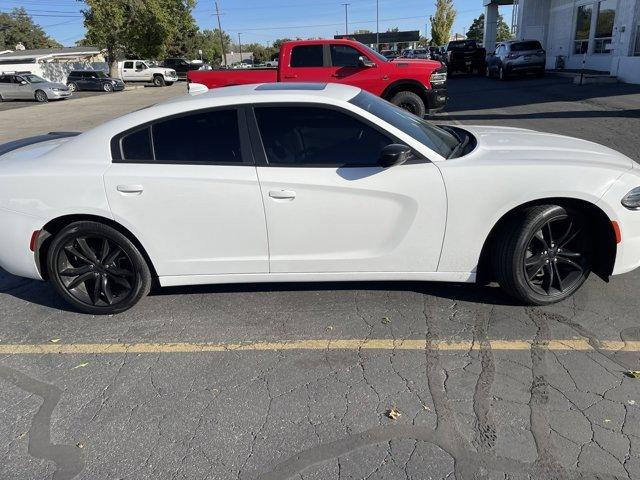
x=346, y=68
x=23, y=90
x=187, y=187
x=140, y=71
x=330, y=208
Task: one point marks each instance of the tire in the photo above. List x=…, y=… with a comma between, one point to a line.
x=502, y=74
x=487, y=72
x=107, y=87
x=1, y=99
x=72, y=87
x=543, y=255
x=41, y=96
x=410, y=102
x=158, y=81
x=94, y=279
x=168, y=84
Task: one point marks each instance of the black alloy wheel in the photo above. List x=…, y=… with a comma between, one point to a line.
x=556, y=258
x=97, y=269
x=543, y=254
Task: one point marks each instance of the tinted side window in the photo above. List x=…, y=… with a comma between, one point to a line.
x=307, y=56
x=344, y=56
x=317, y=136
x=137, y=145
x=5, y=79
x=200, y=137
x=128, y=64
x=524, y=46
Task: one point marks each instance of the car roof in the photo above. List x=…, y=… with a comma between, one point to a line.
x=279, y=91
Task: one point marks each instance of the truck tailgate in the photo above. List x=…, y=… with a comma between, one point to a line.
x=227, y=78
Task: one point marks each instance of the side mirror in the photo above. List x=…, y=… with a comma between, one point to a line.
x=394, y=154
x=365, y=62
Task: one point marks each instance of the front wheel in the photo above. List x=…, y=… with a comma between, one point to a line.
x=544, y=254
x=97, y=269
x=158, y=81
x=41, y=96
x=72, y=87
x=107, y=87
x=410, y=102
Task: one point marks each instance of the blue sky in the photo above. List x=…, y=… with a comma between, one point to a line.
x=263, y=21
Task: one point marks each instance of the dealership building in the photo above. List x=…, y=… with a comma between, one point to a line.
x=601, y=35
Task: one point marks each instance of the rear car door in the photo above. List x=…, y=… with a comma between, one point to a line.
x=330, y=207
x=187, y=187
x=127, y=70
x=307, y=64
x=7, y=87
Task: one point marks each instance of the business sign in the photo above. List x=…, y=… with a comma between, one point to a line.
x=385, y=37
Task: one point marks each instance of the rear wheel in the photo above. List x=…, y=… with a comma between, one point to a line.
x=544, y=254
x=97, y=269
x=410, y=102
x=158, y=81
x=41, y=96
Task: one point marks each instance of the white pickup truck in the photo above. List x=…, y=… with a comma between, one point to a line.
x=146, y=71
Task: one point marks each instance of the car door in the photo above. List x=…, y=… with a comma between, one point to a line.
x=91, y=81
x=140, y=71
x=330, y=208
x=307, y=64
x=187, y=187
x=127, y=71
x=22, y=89
x=7, y=87
x=346, y=68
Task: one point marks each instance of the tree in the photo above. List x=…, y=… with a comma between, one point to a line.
x=209, y=42
x=139, y=28
x=442, y=21
x=18, y=27
x=476, y=31
x=393, y=29
x=361, y=31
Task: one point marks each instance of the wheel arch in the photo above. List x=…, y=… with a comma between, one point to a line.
x=604, y=235
x=55, y=225
x=408, y=86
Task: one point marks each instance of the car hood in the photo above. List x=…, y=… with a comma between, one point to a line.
x=517, y=144
x=49, y=85
x=415, y=62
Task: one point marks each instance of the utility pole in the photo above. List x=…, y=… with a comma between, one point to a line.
x=346, y=18
x=224, y=58
x=240, y=46
x=378, y=25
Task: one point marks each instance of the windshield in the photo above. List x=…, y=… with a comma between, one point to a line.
x=33, y=78
x=379, y=56
x=151, y=64
x=437, y=139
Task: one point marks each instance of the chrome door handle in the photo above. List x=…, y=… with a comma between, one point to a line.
x=282, y=194
x=130, y=189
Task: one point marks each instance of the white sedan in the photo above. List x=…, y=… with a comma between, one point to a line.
x=310, y=182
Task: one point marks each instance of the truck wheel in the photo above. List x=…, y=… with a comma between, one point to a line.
x=158, y=81
x=410, y=102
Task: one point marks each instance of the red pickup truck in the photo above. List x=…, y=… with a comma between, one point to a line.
x=419, y=86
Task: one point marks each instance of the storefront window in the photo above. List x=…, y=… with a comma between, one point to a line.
x=583, y=29
x=604, y=26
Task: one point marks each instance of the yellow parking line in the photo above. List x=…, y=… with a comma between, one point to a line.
x=579, y=345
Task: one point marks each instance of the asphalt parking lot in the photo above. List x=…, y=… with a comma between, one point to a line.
x=295, y=380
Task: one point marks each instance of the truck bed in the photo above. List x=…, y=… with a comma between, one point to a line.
x=227, y=78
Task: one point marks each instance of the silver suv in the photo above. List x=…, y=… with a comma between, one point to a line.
x=27, y=86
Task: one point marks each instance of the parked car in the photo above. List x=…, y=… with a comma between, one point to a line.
x=93, y=80
x=465, y=56
x=419, y=86
x=521, y=56
x=27, y=86
x=180, y=65
x=390, y=54
x=146, y=71
x=362, y=191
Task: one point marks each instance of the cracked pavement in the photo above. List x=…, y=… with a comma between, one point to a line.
x=479, y=413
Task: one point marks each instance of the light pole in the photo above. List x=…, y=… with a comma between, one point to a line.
x=240, y=46
x=378, y=25
x=346, y=18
